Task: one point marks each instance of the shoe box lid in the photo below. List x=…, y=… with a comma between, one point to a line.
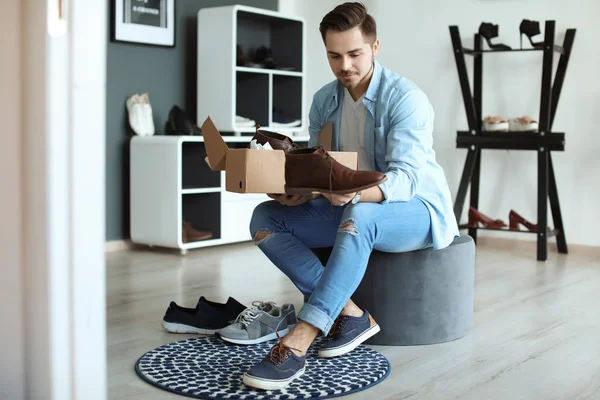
x=258, y=171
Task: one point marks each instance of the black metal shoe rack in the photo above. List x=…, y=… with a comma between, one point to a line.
x=543, y=142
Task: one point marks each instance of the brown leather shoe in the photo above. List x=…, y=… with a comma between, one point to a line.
x=314, y=170
x=515, y=219
x=276, y=140
x=190, y=234
x=476, y=217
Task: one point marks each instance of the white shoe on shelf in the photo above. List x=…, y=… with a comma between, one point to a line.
x=495, y=123
x=140, y=114
x=286, y=124
x=147, y=112
x=243, y=122
x=523, y=124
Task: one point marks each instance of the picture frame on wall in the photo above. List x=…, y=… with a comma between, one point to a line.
x=150, y=22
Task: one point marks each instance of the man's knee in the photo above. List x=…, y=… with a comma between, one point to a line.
x=347, y=226
x=260, y=218
x=263, y=223
x=261, y=235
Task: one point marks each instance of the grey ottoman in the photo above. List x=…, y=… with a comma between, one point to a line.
x=419, y=297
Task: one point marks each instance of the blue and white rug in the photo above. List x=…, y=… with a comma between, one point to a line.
x=207, y=368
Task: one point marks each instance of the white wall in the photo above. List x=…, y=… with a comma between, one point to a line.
x=11, y=280
x=415, y=42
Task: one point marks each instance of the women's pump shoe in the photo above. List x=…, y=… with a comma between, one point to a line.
x=476, y=218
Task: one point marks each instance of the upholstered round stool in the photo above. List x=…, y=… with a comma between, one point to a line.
x=419, y=297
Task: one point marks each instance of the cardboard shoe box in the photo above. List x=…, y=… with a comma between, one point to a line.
x=258, y=171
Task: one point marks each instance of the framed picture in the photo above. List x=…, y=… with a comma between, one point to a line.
x=149, y=22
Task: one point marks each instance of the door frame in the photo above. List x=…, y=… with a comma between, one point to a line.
x=63, y=192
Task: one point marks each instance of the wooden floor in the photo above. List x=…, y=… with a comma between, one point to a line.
x=536, y=332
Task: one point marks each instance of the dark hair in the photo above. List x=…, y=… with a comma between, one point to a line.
x=348, y=16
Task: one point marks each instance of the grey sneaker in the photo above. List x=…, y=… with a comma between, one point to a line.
x=289, y=310
x=260, y=323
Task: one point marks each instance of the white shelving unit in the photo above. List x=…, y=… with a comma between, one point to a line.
x=226, y=89
x=171, y=183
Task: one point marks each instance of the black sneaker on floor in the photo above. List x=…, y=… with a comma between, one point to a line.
x=207, y=318
x=347, y=333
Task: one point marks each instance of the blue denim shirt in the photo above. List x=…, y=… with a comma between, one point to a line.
x=398, y=141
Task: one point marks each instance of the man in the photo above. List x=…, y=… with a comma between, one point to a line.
x=388, y=120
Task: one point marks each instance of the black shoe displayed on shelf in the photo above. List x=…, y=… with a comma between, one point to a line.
x=490, y=31
x=261, y=57
x=282, y=120
x=179, y=123
x=264, y=56
x=530, y=29
x=241, y=58
x=207, y=318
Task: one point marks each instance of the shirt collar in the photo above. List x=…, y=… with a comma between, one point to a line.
x=373, y=89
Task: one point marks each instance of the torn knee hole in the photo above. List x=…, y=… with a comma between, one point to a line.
x=261, y=235
x=348, y=227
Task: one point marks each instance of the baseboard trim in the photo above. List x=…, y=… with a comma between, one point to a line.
x=498, y=242
x=531, y=244
x=117, y=245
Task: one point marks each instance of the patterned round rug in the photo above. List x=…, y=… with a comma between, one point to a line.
x=208, y=368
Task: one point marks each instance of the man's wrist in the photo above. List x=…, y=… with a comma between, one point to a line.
x=371, y=195
x=356, y=198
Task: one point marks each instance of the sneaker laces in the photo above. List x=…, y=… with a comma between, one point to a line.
x=247, y=316
x=280, y=352
x=250, y=314
x=330, y=160
x=338, y=327
x=261, y=305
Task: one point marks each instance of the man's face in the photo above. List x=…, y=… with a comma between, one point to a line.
x=350, y=55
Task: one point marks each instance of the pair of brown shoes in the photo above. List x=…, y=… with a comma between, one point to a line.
x=190, y=234
x=477, y=218
x=309, y=170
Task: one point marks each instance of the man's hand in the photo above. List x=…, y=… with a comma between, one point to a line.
x=291, y=199
x=339, y=199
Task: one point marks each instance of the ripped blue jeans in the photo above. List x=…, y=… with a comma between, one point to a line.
x=353, y=231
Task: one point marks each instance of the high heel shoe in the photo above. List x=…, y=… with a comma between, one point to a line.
x=515, y=219
x=490, y=31
x=475, y=218
x=530, y=29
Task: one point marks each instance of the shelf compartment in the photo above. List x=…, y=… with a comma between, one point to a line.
x=195, y=173
x=253, y=97
x=287, y=98
x=554, y=141
x=203, y=212
x=283, y=36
